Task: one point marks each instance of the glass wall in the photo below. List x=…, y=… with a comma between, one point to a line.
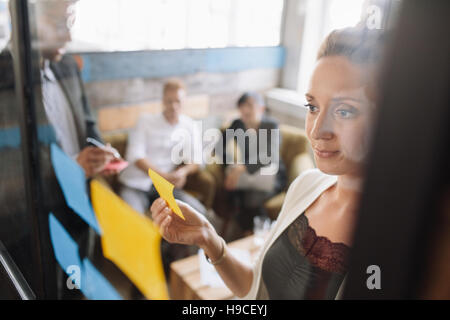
x=16, y=223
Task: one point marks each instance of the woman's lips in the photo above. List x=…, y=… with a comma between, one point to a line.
x=325, y=153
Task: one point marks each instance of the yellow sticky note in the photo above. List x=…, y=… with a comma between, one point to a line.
x=165, y=190
x=130, y=240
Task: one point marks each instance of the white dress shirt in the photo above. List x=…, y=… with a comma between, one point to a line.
x=59, y=112
x=154, y=139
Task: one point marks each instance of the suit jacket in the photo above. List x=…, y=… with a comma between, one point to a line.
x=68, y=75
x=12, y=172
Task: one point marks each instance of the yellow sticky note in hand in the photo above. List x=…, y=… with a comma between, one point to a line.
x=130, y=240
x=165, y=190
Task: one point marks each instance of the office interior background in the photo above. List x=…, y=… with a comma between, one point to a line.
x=126, y=51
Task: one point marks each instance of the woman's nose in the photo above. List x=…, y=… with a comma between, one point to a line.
x=323, y=127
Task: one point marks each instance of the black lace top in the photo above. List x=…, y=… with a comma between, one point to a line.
x=302, y=265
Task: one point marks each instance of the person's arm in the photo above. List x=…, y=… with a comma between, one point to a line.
x=143, y=164
x=188, y=169
x=179, y=176
x=197, y=230
x=176, y=178
x=136, y=146
x=237, y=276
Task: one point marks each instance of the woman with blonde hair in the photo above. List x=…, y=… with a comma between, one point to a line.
x=306, y=253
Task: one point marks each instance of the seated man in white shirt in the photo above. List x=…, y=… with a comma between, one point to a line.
x=150, y=146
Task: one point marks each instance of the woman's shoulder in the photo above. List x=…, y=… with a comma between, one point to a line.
x=302, y=190
x=308, y=182
x=311, y=176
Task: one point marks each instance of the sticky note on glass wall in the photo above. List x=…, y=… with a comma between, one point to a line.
x=130, y=240
x=72, y=181
x=93, y=284
x=65, y=248
x=165, y=190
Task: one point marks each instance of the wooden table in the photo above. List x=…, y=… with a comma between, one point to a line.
x=185, y=282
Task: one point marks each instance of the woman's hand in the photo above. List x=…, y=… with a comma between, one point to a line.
x=195, y=230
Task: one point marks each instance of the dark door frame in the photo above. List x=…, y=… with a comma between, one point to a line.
x=24, y=59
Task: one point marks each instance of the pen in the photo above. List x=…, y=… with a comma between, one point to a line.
x=102, y=146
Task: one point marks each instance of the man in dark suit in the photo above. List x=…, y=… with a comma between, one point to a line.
x=63, y=96
x=63, y=93
x=67, y=110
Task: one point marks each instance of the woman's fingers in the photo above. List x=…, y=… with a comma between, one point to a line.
x=164, y=227
x=157, y=207
x=160, y=211
x=164, y=213
x=185, y=208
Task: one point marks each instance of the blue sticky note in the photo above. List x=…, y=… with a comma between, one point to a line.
x=65, y=248
x=95, y=286
x=72, y=180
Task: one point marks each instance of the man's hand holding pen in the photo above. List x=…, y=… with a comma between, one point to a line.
x=96, y=158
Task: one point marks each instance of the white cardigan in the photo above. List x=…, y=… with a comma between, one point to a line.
x=300, y=195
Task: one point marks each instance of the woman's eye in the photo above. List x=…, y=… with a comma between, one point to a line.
x=347, y=113
x=311, y=108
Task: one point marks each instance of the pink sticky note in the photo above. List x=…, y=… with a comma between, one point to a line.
x=116, y=165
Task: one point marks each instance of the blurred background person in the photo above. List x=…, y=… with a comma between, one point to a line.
x=150, y=146
x=248, y=188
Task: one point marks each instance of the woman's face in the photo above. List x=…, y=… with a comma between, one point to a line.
x=339, y=116
x=251, y=112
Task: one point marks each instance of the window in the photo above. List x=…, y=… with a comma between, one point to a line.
x=124, y=25
x=321, y=18
x=5, y=24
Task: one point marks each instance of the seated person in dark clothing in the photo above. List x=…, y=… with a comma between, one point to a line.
x=258, y=172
